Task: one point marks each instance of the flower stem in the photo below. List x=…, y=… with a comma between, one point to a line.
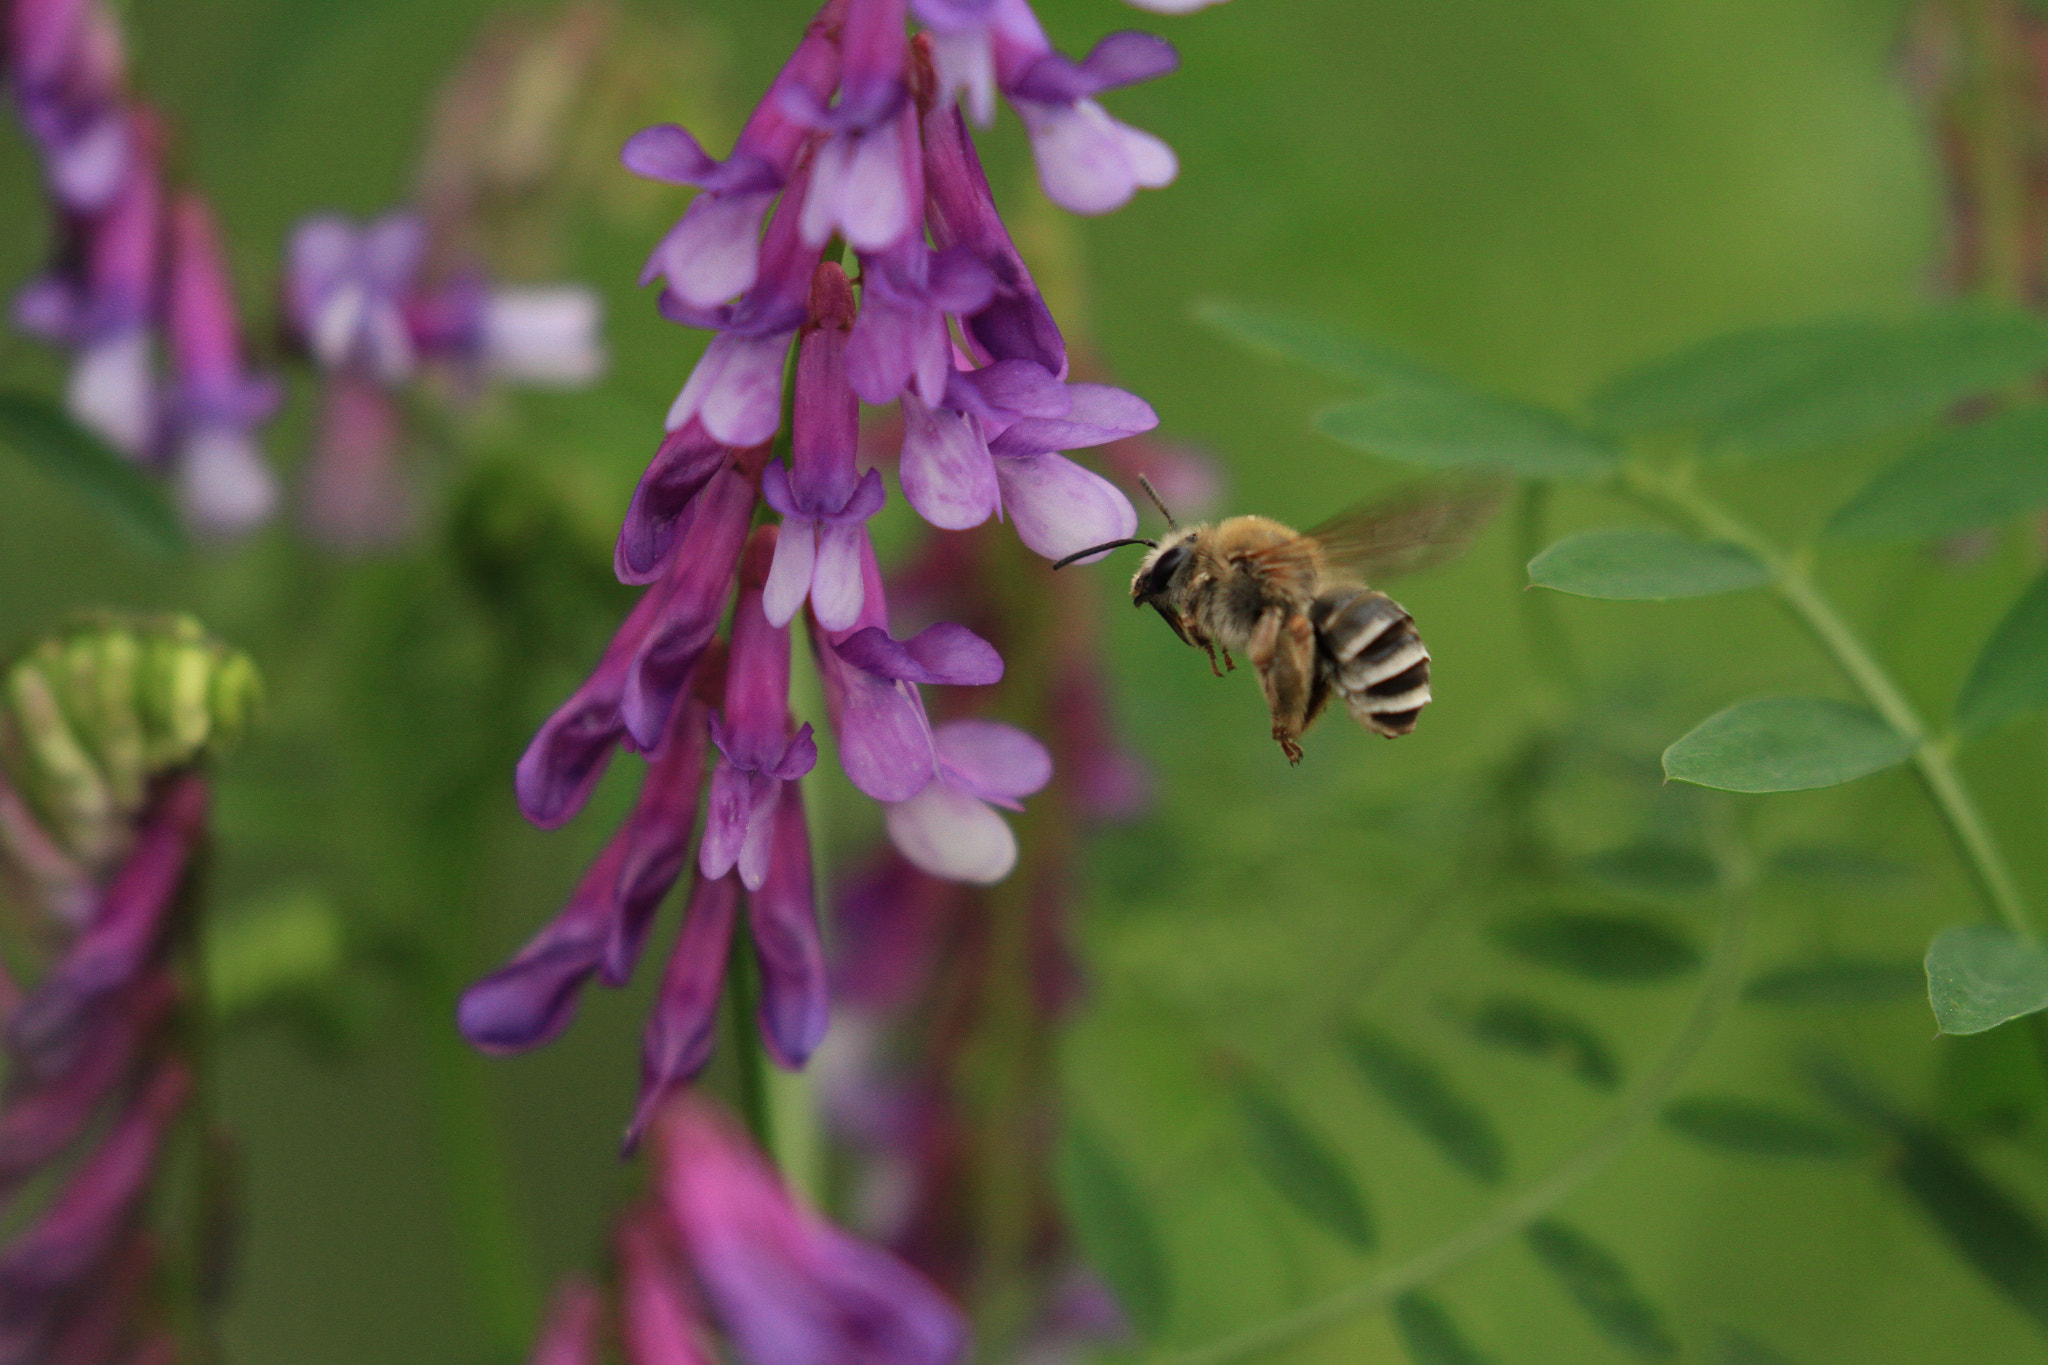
x=1675, y=495
x=1718, y=991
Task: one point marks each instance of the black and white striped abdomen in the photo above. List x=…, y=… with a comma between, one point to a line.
x=1371, y=656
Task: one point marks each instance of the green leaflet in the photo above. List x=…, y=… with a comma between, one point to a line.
x=1980, y=975
x=1958, y=479
x=2010, y=676
x=1415, y=1088
x=1654, y=867
x=1782, y=744
x=1301, y=1169
x=1983, y=1224
x=1599, y=945
x=1115, y=1228
x=1314, y=344
x=1838, y=981
x=1442, y=428
x=1783, y=389
x=1639, y=564
x=1430, y=1336
x=1534, y=1029
x=1603, y=1289
x=1742, y=1127
x=45, y=435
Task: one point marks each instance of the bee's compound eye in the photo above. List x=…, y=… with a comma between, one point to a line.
x=1162, y=570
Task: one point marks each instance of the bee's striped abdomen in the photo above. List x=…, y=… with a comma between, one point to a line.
x=1372, y=657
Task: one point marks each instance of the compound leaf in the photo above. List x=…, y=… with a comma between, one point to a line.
x=1301, y=1169
x=1980, y=975
x=1314, y=344
x=2011, y=674
x=1453, y=429
x=1957, y=480
x=1600, y=945
x=1639, y=564
x=1838, y=981
x=1750, y=1128
x=1603, y=1289
x=1414, y=1087
x=44, y=434
x=1783, y=744
x=1534, y=1029
x=1430, y=1336
x=1114, y=1226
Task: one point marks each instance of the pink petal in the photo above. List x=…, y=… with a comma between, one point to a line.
x=946, y=472
x=736, y=389
x=1059, y=508
x=950, y=834
x=991, y=759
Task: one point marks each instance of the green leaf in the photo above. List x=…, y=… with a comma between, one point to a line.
x=1304, y=1173
x=1837, y=864
x=1750, y=1128
x=1838, y=981
x=1793, y=388
x=1315, y=344
x=1983, y=1224
x=1605, y=947
x=42, y=433
x=1705, y=384
x=1980, y=975
x=1533, y=1029
x=1786, y=744
x=1655, y=867
x=1739, y=1348
x=1961, y=478
x=1638, y=564
x=1452, y=429
x=1114, y=1226
x=1603, y=1289
x=1415, y=1088
x=1430, y=1336
x=2011, y=674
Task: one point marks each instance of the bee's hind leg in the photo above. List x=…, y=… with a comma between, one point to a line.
x=1283, y=650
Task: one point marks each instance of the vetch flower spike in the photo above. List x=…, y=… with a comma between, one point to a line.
x=788, y=1288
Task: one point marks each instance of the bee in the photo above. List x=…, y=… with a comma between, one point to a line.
x=1299, y=605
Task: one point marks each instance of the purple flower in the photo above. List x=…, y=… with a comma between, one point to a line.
x=570, y=1335
x=346, y=289
x=66, y=62
x=949, y=828
x=531, y=999
x=661, y=1320
x=112, y=950
x=684, y=1024
x=355, y=495
x=757, y=751
x=899, y=340
x=225, y=484
x=869, y=678
x=824, y=502
x=787, y=1288
x=713, y=252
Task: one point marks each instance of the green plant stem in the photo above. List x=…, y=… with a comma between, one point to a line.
x=1549, y=644
x=1674, y=494
x=742, y=1002
x=1717, y=992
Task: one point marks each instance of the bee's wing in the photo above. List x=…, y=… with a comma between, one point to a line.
x=1416, y=527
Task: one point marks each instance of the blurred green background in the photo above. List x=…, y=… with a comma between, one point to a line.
x=1528, y=193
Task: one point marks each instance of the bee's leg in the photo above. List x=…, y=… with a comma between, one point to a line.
x=1196, y=634
x=1229, y=663
x=1283, y=650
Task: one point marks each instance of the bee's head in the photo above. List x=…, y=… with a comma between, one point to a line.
x=1156, y=572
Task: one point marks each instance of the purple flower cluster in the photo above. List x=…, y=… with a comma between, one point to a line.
x=136, y=260
x=90, y=1077
x=721, y=1250
x=361, y=302
x=859, y=139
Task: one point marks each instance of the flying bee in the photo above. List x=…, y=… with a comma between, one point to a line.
x=1299, y=604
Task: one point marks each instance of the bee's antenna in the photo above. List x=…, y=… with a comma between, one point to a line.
x=1105, y=545
x=1153, y=494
